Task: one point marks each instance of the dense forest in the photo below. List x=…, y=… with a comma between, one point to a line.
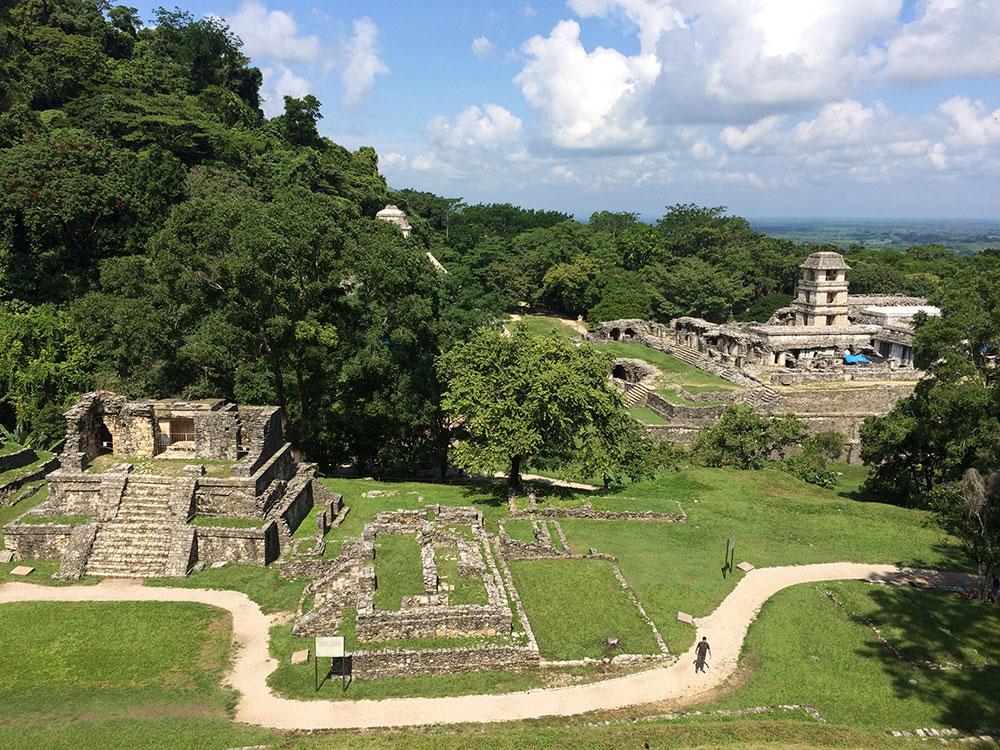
x=160, y=237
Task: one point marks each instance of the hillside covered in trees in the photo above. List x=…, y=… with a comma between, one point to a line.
x=159, y=236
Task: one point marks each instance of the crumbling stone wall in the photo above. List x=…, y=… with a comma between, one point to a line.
x=37, y=541
x=431, y=622
x=16, y=460
x=370, y=665
x=253, y=546
x=217, y=434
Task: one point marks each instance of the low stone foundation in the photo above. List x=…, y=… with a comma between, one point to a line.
x=370, y=665
x=222, y=544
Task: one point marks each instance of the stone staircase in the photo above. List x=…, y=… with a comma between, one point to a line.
x=136, y=543
x=636, y=394
x=702, y=362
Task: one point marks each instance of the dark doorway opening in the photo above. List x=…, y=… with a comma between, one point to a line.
x=616, y=333
x=618, y=371
x=105, y=443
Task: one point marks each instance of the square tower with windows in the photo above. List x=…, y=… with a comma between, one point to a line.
x=822, y=292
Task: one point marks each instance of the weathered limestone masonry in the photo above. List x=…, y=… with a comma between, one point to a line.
x=349, y=582
x=794, y=362
x=139, y=521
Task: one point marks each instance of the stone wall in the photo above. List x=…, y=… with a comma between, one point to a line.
x=225, y=496
x=370, y=665
x=432, y=622
x=37, y=541
x=599, y=515
x=261, y=434
x=253, y=546
x=217, y=434
x=16, y=460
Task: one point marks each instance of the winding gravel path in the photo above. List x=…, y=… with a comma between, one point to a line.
x=725, y=628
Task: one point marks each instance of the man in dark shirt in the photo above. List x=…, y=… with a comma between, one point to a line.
x=700, y=651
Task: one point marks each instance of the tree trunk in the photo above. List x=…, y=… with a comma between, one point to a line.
x=514, y=476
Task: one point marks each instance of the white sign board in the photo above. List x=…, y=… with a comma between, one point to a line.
x=330, y=646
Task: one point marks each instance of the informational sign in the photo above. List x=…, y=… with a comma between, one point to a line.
x=730, y=546
x=332, y=646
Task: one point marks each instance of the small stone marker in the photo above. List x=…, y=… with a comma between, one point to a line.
x=198, y=567
x=300, y=657
x=22, y=570
x=6, y=555
x=685, y=617
x=745, y=567
x=220, y=564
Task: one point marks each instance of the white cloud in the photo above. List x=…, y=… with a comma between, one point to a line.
x=652, y=17
x=840, y=123
x=761, y=131
x=474, y=129
x=970, y=124
x=948, y=38
x=272, y=34
x=742, y=59
x=363, y=63
x=585, y=100
x=279, y=83
x=482, y=48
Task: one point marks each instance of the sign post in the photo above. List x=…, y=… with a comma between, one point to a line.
x=730, y=555
x=333, y=647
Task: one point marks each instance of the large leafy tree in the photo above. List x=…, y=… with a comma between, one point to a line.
x=525, y=399
x=744, y=439
x=951, y=423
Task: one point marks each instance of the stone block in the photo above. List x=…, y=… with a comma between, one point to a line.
x=6, y=555
x=685, y=617
x=300, y=657
x=220, y=564
x=745, y=566
x=22, y=570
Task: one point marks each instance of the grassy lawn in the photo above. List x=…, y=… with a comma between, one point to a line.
x=542, y=325
x=674, y=370
x=466, y=590
x=487, y=497
x=523, y=531
x=836, y=664
x=117, y=675
x=22, y=471
x=645, y=415
x=263, y=585
x=777, y=520
x=308, y=526
x=163, y=467
x=670, y=394
x=573, y=605
x=228, y=522
x=398, y=570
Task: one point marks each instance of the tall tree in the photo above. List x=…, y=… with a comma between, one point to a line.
x=525, y=398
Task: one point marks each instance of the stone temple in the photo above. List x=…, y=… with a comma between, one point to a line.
x=165, y=484
x=831, y=358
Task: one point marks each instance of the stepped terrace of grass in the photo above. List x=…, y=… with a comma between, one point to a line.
x=675, y=372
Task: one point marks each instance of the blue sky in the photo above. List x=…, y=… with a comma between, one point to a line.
x=850, y=108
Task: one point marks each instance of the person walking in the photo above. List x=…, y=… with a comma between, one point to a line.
x=700, y=653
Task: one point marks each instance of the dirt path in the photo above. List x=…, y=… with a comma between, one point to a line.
x=725, y=628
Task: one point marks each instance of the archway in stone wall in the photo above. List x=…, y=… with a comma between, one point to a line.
x=629, y=333
x=616, y=333
x=105, y=441
x=618, y=371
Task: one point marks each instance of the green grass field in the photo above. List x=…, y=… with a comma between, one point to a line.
x=826, y=659
x=675, y=371
x=544, y=325
x=645, y=415
x=577, y=604
x=398, y=571
x=574, y=604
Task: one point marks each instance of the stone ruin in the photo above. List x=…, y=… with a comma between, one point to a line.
x=349, y=582
x=801, y=345
x=139, y=514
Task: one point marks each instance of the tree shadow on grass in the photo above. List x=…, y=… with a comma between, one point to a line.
x=942, y=628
